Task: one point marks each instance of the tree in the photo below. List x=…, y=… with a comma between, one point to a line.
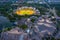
x=23, y=26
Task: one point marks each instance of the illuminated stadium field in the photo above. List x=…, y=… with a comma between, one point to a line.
x=25, y=11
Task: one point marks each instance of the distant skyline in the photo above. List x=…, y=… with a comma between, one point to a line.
x=32, y=0
x=53, y=1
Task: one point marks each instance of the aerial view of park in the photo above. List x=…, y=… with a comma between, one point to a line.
x=29, y=19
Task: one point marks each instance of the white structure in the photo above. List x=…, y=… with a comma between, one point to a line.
x=45, y=26
x=14, y=34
